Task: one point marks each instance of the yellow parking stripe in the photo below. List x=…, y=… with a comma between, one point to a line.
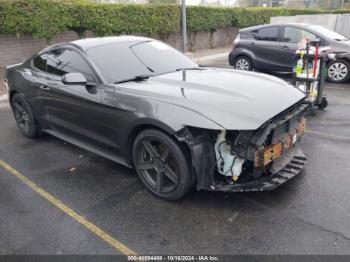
x=56, y=202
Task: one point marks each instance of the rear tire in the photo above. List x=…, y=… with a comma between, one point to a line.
x=161, y=164
x=243, y=63
x=339, y=71
x=24, y=117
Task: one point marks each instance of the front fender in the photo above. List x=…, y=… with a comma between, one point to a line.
x=167, y=117
x=172, y=118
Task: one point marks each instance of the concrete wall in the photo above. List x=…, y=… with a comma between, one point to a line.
x=328, y=21
x=15, y=50
x=338, y=23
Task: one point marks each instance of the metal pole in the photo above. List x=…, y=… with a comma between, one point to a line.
x=184, y=26
x=184, y=33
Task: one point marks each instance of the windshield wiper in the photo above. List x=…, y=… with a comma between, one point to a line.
x=344, y=39
x=189, y=68
x=136, y=79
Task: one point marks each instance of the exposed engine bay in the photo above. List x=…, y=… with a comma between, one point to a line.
x=248, y=160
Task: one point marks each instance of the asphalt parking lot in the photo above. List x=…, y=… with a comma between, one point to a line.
x=308, y=215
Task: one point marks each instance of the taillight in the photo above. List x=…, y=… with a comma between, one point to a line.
x=235, y=42
x=6, y=83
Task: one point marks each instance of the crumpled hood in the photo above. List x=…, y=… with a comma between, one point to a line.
x=236, y=100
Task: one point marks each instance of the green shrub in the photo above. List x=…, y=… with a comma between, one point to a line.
x=40, y=18
x=209, y=18
x=46, y=18
x=106, y=19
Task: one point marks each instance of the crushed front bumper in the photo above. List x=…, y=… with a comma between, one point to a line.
x=287, y=168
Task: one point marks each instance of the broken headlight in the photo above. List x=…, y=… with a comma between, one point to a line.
x=265, y=155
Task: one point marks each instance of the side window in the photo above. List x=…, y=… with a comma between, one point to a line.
x=267, y=34
x=40, y=62
x=309, y=36
x=294, y=35
x=63, y=61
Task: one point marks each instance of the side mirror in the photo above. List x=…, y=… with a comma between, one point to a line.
x=74, y=79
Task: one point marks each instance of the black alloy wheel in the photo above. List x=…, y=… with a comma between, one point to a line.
x=24, y=117
x=161, y=164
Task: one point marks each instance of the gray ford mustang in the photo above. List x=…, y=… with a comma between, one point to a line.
x=143, y=104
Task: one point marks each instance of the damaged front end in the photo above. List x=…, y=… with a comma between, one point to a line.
x=248, y=160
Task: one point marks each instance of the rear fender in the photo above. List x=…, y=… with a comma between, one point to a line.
x=237, y=52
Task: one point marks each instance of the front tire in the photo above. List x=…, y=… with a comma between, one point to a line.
x=243, y=63
x=161, y=164
x=24, y=116
x=339, y=71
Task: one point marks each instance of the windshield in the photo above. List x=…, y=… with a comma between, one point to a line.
x=123, y=61
x=326, y=32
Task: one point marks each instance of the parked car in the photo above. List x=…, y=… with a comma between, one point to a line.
x=272, y=48
x=143, y=104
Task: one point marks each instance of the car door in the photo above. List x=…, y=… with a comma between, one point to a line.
x=290, y=37
x=36, y=77
x=265, y=48
x=73, y=110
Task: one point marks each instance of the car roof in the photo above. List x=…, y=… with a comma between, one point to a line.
x=252, y=28
x=98, y=41
x=86, y=43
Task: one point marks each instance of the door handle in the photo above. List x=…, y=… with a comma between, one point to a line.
x=44, y=87
x=285, y=47
x=253, y=43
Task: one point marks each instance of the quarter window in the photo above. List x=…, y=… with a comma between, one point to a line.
x=267, y=34
x=63, y=61
x=40, y=62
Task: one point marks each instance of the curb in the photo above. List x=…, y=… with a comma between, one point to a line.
x=208, y=58
x=3, y=97
x=211, y=57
